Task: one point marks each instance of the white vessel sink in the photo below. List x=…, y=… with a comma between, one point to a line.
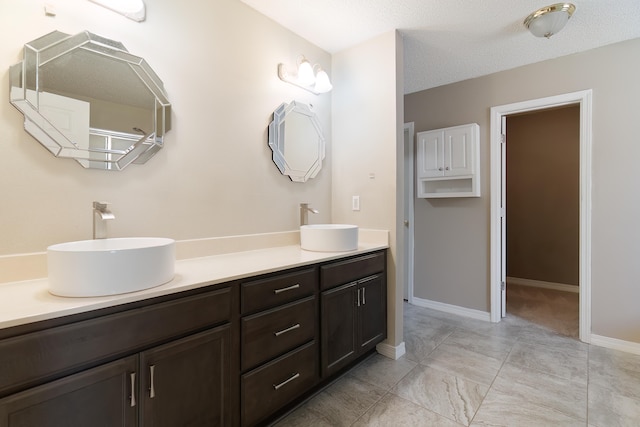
x=329, y=237
x=100, y=267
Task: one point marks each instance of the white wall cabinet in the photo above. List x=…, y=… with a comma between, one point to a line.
x=448, y=162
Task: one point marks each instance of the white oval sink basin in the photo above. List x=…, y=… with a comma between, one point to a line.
x=329, y=237
x=100, y=267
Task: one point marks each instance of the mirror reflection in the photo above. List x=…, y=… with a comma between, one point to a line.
x=87, y=98
x=295, y=137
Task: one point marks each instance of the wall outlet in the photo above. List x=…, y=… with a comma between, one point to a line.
x=355, y=203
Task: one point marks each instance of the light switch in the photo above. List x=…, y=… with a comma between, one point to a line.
x=355, y=203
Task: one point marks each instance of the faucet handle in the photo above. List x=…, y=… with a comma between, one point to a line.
x=100, y=205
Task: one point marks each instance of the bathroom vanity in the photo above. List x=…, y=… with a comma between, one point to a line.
x=230, y=352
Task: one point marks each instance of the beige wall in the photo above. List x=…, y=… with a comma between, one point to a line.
x=218, y=60
x=543, y=195
x=452, y=236
x=367, y=125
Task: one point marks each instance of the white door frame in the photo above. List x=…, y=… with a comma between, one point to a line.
x=409, y=194
x=584, y=100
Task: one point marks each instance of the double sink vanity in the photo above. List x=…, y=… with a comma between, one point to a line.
x=234, y=333
x=232, y=339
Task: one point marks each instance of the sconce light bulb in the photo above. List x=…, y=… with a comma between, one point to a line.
x=322, y=82
x=305, y=74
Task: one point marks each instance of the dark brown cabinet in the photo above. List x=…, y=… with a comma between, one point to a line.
x=185, y=381
x=231, y=354
x=96, y=397
x=279, y=342
x=353, y=314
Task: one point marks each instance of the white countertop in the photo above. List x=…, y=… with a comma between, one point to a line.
x=30, y=301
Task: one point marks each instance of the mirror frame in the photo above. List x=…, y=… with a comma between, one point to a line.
x=277, y=141
x=25, y=96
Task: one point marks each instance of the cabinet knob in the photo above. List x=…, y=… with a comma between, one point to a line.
x=440, y=169
x=447, y=168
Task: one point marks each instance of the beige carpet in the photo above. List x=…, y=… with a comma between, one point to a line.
x=555, y=310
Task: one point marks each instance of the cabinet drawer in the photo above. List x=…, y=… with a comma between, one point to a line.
x=261, y=294
x=339, y=273
x=270, y=333
x=35, y=357
x=268, y=388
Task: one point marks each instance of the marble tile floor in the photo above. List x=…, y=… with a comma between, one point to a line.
x=463, y=372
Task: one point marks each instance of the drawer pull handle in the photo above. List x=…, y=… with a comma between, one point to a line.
x=284, y=331
x=289, y=288
x=291, y=378
x=133, y=389
x=152, y=389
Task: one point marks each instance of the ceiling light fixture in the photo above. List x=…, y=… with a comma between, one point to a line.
x=547, y=21
x=305, y=78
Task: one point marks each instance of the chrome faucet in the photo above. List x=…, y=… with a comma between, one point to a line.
x=100, y=216
x=304, y=213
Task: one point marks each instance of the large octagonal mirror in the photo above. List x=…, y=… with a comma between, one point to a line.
x=85, y=97
x=295, y=137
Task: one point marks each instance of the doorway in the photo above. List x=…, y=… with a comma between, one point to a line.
x=542, y=217
x=498, y=201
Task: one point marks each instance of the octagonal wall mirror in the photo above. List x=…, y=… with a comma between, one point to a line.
x=86, y=98
x=295, y=137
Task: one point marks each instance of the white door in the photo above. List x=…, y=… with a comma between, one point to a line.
x=430, y=161
x=67, y=115
x=408, y=211
x=503, y=218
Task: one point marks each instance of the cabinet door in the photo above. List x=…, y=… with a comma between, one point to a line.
x=186, y=382
x=458, y=151
x=338, y=327
x=430, y=158
x=101, y=396
x=372, y=321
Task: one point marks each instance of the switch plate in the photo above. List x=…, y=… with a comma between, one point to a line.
x=355, y=203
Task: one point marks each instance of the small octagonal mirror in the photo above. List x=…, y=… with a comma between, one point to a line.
x=296, y=139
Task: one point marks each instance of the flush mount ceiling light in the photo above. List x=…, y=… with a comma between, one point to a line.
x=305, y=78
x=547, y=21
x=132, y=9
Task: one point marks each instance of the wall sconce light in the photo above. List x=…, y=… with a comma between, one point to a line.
x=305, y=78
x=547, y=21
x=132, y=9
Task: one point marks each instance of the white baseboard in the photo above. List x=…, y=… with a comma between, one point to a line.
x=390, y=351
x=542, y=284
x=615, y=344
x=453, y=309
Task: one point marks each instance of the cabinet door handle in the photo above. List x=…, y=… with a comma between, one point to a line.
x=447, y=168
x=358, y=298
x=364, y=301
x=152, y=389
x=440, y=169
x=289, y=329
x=132, y=398
x=289, y=288
x=283, y=383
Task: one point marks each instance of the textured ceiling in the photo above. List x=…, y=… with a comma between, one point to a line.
x=446, y=41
